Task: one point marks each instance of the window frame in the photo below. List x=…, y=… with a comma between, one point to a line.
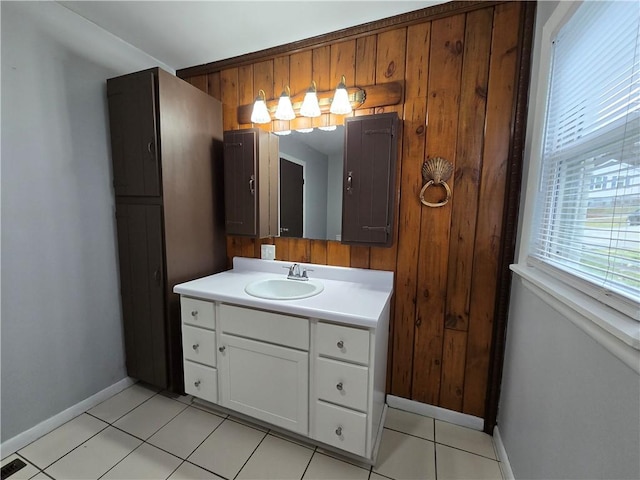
x=615, y=325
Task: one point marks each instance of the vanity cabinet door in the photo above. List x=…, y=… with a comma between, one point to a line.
x=265, y=381
x=371, y=149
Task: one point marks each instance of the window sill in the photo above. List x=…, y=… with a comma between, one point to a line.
x=616, y=332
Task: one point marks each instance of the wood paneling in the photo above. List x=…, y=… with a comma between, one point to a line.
x=502, y=76
x=460, y=66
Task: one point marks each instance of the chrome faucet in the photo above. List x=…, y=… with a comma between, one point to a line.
x=294, y=273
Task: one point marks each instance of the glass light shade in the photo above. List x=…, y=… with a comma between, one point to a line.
x=340, y=104
x=304, y=130
x=283, y=132
x=310, y=107
x=260, y=112
x=285, y=109
x=328, y=128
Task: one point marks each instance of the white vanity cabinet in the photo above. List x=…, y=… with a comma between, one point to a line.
x=264, y=366
x=343, y=390
x=199, y=348
x=315, y=367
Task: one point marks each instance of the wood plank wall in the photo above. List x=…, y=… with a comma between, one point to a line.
x=459, y=73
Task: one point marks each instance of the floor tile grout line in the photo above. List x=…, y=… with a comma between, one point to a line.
x=200, y=444
x=377, y=473
x=74, y=448
x=207, y=470
x=175, y=469
x=435, y=452
x=160, y=428
x=436, y=442
x=470, y=453
x=410, y=434
x=254, y=451
x=313, y=454
x=128, y=411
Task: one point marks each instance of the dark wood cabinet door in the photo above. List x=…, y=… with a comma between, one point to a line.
x=291, y=199
x=369, y=179
x=134, y=146
x=240, y=182
x=142, y=290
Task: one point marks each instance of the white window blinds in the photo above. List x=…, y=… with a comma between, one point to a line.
x=587, y=225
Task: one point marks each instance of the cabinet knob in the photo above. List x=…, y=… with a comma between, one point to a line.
x=222, y=349
x=340, y=344
x=197, y=383
x=339, y=431
x=196, y=346
x=339, y=386
x=194, y=313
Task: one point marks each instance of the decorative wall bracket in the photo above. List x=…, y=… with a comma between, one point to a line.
x=436, y=171
x=370, y=96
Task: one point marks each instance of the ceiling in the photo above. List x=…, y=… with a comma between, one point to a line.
x=183, y=34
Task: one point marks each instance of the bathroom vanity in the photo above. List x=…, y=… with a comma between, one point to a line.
x=306, y=356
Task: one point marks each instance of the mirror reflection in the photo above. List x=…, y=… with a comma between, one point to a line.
x=310, y=195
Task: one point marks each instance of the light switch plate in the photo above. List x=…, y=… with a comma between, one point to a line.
x=268, y=252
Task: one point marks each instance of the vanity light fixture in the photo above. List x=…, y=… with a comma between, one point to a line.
x=340, y=105
x=310, y=107
x=304, y=130
x=285, y=109
x=260, y=112
x=283, y=132
x=328, y=128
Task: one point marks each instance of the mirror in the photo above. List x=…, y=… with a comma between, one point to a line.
x=310, y=193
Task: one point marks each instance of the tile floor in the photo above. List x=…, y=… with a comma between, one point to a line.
x=141, y=433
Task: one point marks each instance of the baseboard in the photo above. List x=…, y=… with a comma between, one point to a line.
x=507, y=473
x=439, y=413
x=25, y=438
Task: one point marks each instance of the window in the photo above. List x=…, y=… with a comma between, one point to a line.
x=585, y=227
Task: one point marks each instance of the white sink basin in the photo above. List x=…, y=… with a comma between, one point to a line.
x=283, y=289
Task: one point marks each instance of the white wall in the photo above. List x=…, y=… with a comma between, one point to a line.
x=569, y=408
x=61, y=323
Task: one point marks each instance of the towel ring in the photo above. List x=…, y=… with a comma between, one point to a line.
x=439, y=204
x=436, y=171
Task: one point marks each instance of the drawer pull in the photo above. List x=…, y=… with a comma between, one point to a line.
x=339, y=386
x=197, y=383
x=339, y=431
x=222, y=349
x=196, y=346
x=340, y=344
x=194, y=313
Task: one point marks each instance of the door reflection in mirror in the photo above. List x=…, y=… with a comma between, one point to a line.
x=318, y=158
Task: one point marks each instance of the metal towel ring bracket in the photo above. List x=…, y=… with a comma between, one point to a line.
x=436, y=171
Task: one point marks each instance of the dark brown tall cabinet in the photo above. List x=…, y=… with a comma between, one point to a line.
x=368, y=200
x=166, y=142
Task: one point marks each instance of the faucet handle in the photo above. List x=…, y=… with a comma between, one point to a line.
x=304, y=272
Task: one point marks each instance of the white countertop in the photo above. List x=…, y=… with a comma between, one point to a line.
x=351, y=295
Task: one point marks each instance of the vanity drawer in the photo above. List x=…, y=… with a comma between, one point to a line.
x=341, y=428
x=197, y=312
x=199, y=345
x=343, y=343
x=201, y=381
x=342, y=383
x=265, y=326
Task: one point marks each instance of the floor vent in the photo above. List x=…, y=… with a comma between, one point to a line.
x=11, y=468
